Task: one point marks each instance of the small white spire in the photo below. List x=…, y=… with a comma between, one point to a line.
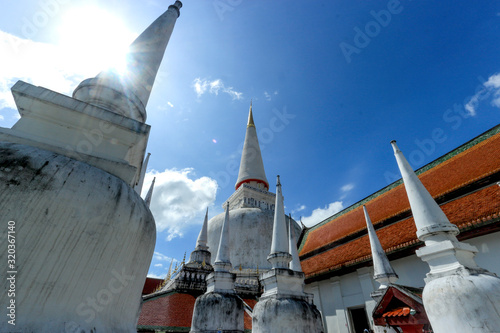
x=201, y=243
x=279, y=256
x=251, y=165
x=292, y=245
x=223, y=262
x=149, y=195
x=140, y=182
x=383, y=272
x=429, y=218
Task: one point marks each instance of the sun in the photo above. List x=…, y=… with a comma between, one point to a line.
x=95, y=38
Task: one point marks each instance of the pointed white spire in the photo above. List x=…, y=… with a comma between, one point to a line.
x=251, y=166
x=383, y=272
x=140, y=183
x=223, y=262
x=149, y=195
x=128, y=93
x=279, y=256
x=292, y=246
x=429, y=218
x=201, y=242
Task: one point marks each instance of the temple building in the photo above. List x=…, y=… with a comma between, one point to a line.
x=336, y=256
x=419, y=255
x=73, y=162
x=337, y=260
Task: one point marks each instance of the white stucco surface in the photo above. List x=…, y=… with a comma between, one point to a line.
x=84, y=242
x=250, y=237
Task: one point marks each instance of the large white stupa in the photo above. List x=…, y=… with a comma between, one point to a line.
x=251, y=216
x=68, y=169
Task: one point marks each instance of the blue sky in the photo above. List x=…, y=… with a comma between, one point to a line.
x=332, y=83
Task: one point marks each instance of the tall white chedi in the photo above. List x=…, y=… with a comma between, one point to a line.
x=284, y=307
x=251, y=165
x=220, y=309
x=459, y=296
x=84, y=237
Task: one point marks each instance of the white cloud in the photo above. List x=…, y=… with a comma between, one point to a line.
x=493, y=83
x=170, y=104
x=202, y=86
x=347, y=187
x=156, y=276
x=1, y=117
x=268, y=96
x=319, y=214
x=299, y=209
x=56, y=67
x=160, y=265
x=491, y=88
x=161, y=257
x=179, y=200
x=36, y=63
x=472, y=105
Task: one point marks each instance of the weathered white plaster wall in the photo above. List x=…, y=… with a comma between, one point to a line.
x=84, y=242
x=285, y=315
x=250, y=238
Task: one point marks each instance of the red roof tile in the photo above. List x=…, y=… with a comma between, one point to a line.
x=248, y=320
x=150, y=285
x=482, y=205
x=175, y=310
x=168, y=310
x=400, y=312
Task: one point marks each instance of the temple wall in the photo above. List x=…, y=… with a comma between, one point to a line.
x=335, y=296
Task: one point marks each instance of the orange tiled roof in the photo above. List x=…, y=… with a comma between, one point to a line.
x=399, y=312
x=342, y=240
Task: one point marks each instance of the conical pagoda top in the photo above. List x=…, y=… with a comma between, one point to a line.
x=429, y=218
x=252, y=166
x=201, y=243
x=127, y=93
x=223, y=261
x=383, y=272
x=280, y=255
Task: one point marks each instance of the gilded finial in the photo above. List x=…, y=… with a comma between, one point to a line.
x=184, y=259
x=241, y=268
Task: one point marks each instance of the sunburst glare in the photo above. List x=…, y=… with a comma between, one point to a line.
x=97, y=39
